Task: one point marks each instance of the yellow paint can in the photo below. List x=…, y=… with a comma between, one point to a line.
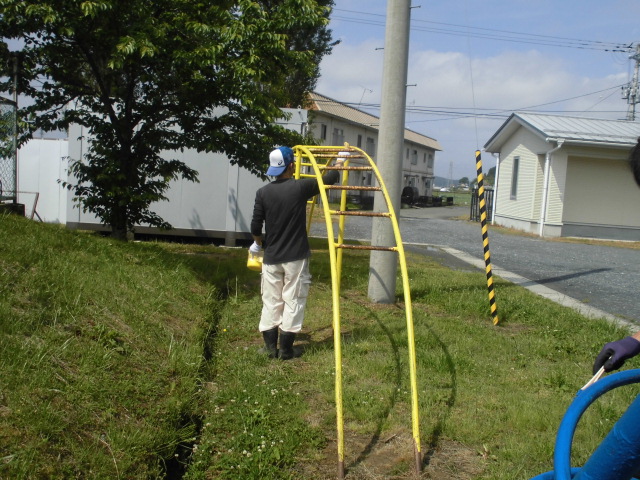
x=254, y=261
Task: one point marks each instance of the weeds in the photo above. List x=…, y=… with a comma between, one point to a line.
x=142, y=361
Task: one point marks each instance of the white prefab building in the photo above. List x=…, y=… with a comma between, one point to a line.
x=560, y=176
x=42, y=162
x=219, y=206
x=333, y=123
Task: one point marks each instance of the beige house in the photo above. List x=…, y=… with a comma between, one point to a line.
x=560, y=176
x=333, y=123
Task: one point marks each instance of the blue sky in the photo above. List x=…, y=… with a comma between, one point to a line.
x=474, y=63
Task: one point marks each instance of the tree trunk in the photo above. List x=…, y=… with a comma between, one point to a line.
x=119, y=229
x=121, y=234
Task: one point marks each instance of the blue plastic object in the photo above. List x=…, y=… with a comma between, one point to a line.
x=618, y=455
x=552, y=474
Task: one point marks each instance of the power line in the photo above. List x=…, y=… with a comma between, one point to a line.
x=616, y=87
x=490, y=34
x=457, y=113
x=525, y=34
x=382, y=18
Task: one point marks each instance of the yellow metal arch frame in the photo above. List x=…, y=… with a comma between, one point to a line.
x=308, y=164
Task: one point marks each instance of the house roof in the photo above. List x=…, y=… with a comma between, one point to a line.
x=571, y=130
x=334, y=108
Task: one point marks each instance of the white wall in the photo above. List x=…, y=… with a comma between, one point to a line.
x=525, y=146
x=220, y=205
x=557, y=187
x=41, y=163
x=601, y=192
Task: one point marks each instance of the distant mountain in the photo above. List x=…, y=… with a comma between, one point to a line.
x=443, y=182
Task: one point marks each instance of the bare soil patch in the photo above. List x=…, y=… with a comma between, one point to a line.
x=391, y=458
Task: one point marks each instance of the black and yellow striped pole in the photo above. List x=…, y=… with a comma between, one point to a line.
x=485, y=239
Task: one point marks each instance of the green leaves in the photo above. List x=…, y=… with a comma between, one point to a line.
x=148, y=78
x=92, y=9
x=46, y=13
x=131, y=47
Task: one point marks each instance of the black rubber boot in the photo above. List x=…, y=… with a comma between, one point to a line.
x=286, y=345
x=271, y=342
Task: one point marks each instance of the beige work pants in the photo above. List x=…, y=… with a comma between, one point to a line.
x=285, y=287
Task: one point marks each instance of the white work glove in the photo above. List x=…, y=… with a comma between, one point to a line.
x=255, y=248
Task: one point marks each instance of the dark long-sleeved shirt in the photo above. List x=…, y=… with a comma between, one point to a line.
x=281, y=206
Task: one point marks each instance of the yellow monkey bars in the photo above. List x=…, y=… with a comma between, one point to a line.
x=308, y=159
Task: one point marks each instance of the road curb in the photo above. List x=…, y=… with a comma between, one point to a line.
x=535, y=287
x=532, y=286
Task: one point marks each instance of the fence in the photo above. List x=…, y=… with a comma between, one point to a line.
x=475, y=204
x=8, y=179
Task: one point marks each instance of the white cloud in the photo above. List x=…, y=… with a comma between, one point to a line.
x=507, y=81
x=504, y=82
x=352, y=70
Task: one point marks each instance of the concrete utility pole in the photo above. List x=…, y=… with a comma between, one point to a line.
x=631, y=93
x=383, y=265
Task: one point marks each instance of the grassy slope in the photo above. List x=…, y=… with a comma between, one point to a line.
x=100, y=352
x=114, y=357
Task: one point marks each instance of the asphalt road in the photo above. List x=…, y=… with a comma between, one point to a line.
x=601, y=277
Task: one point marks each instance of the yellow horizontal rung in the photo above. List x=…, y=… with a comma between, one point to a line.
x=333, y=151
x=347, y=168
x=359, y=213
x=335, y=155
x=365, y=247
x=352, y=187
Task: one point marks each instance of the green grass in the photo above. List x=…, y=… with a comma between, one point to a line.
x=101, y=352
x=459, y=197
x=142, y=361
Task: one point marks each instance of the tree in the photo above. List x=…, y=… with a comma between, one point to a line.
x=7, y=124
x=463, y=181
x=146, y=77
x=318, y=41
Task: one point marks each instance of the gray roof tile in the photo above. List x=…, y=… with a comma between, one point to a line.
x=334, y=108
x=570, y=129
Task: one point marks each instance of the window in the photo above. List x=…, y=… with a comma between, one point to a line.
x=323, y=132
x=407, y=155
x=414, y=157
x=338, y=136
x=514, y=178
x=424, y=158
x=359, y=141
x=371, y=147
x=430, y=163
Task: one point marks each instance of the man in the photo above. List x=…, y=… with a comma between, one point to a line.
x=281, y=206
x=613, y=354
